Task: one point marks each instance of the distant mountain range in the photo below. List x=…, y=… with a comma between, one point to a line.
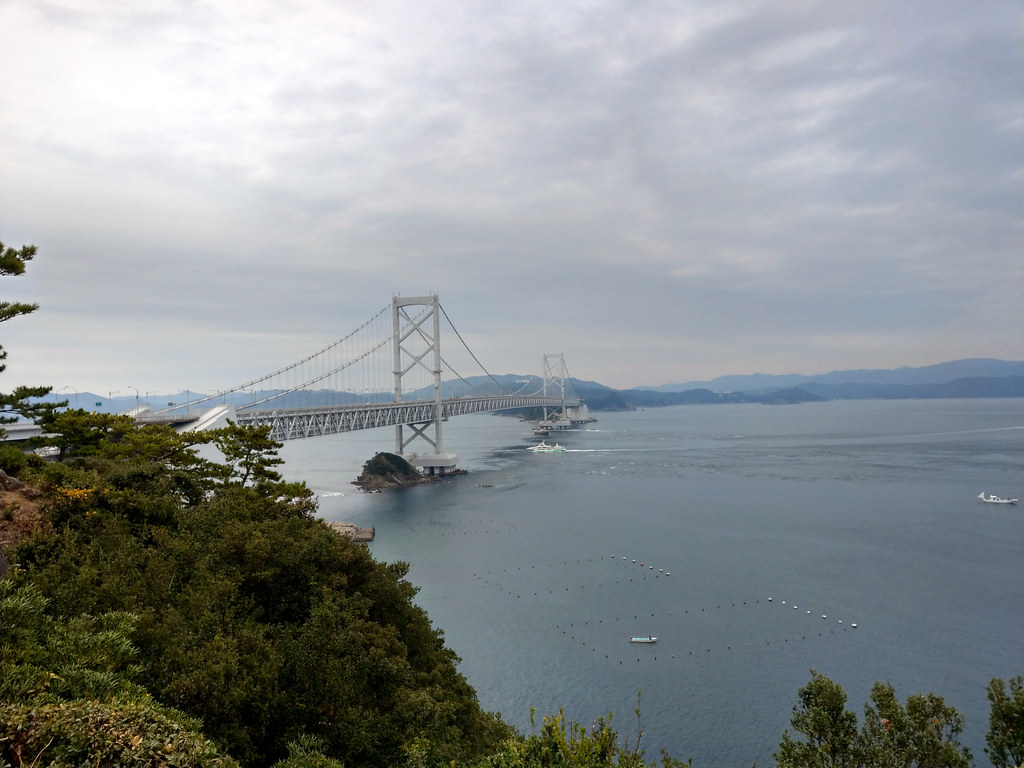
x=975, y=378
x=929, y=374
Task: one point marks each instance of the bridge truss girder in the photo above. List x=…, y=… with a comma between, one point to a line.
x=297, y=423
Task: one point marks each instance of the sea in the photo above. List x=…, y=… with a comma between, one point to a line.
x=756, y=542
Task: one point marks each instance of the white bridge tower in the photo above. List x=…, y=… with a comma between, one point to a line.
x=555, y=374
x=417, y=344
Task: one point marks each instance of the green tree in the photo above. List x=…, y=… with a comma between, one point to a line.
x=80, y=433
x=252, y=615
x=923, y=733
x=564, y=743
x=829, y=729
x=1005, y=737
x=12, y=262
x=249, y=454
x=23, y=401
x=307, y=752
x=68, y=695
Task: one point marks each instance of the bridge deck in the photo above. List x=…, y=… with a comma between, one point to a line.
x=295, y=423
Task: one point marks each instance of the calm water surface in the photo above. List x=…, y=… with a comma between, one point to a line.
x=749, y=539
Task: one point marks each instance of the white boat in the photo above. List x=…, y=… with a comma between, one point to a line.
x=645, y=639
x=543, y=447
x=993, y=499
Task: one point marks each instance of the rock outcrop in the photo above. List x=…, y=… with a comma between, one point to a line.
x=387, y=470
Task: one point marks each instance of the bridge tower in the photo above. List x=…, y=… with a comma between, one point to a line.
x=417, y=344
x=554, y=386
x=555, y=374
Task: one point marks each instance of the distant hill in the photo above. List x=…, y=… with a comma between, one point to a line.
x=941, y=373
x=628, y=399
x=974, y=386
x=956, y=379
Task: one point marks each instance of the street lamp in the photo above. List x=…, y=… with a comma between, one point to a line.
x=73, y=390
x=136, y=397
x=110, y=398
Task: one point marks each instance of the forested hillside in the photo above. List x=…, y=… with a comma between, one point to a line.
x=164, y=588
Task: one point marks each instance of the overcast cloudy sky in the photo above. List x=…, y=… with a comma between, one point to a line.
x=664, y=191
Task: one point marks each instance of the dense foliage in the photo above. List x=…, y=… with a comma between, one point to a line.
x=566, y=744
x=248, y=613
x=68, y=694
x=923, y=733
x=1005, y=738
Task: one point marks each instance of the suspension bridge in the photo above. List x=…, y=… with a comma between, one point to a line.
x=388, y=372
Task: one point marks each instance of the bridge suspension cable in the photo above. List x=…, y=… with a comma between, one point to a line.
x=324, y=376
x=302, y=383
x=301, y=405
x=293, y=366
x=503, y=389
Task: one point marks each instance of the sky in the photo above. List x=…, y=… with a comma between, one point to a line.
x=662, y=191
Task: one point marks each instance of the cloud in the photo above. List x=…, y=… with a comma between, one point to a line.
x=754, y=186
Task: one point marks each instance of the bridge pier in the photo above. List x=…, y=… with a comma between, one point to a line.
x=433, y=464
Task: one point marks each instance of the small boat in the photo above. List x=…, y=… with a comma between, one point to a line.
x=645, y=639
x=541, y=431
x=993, y=499
x=543, y=447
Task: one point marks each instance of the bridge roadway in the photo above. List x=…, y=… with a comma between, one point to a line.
x=295, y=423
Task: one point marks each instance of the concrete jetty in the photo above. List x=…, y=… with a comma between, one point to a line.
x=354, y=532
